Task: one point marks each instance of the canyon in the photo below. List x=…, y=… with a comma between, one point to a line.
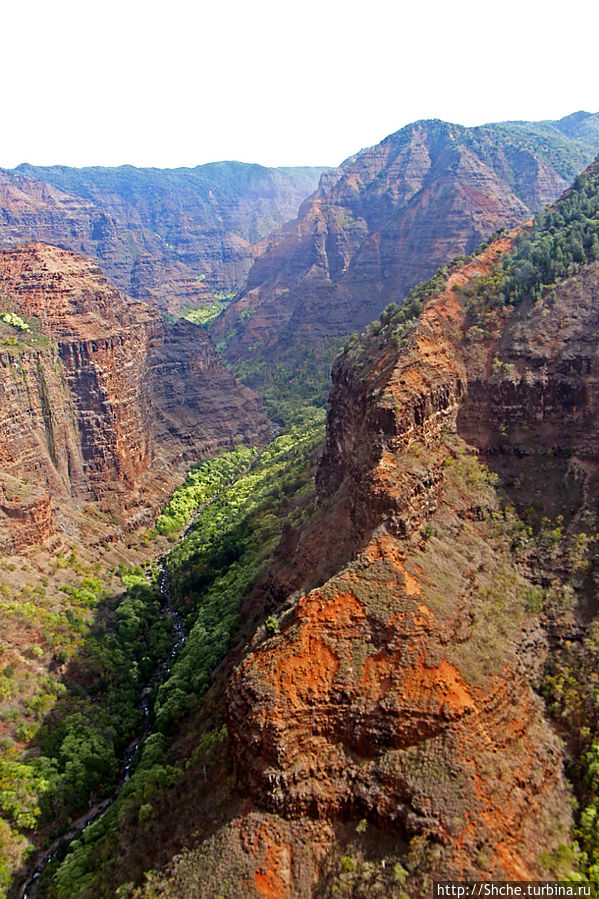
x=384, y=719
x=103, y=402
x=170, y=237
x=385, y=617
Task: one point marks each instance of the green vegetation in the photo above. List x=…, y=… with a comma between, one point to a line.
x=571, y=688
x=211, y=571
x=203, y=482
x=566, y=148
x=18, y=334
x=561, y=240
x=293, y=395
x=15, y=321
x=272, y=626
x=206, y=313
x=81, y=727
x=588, y=828
x=571, y=681
x=242, y=318
x=396, y=320
x=77, y=875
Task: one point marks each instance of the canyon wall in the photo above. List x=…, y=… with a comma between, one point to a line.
x=102, y=400
x=387, y=219
x=170, y=237
x=402, y=690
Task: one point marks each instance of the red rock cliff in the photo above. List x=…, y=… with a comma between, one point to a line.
x=386, y=220
x=101, y=399
x=400, y=690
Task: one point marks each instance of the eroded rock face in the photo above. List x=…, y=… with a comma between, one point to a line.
x=386, y=220
x=363, y=710
x=532, y=404
x=168, y=237
x=29, y=523
x=400, y=690
x=102, y=400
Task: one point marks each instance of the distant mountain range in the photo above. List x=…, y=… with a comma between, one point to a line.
x=168, y=236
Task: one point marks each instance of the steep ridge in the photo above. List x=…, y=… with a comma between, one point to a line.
x=399, y=691
x=383, y=680
x=384, y=725
x=170, y=237
x=102, y=401
x=388, y=218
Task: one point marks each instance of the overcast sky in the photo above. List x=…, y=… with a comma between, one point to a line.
x=306, y=83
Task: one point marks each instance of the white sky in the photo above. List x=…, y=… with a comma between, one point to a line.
x=175, y=83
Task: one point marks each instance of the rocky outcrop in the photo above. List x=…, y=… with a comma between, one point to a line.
x=29, y=523
x=101, y=399
x=401, y=691
x=388, y=219
x=168, y=237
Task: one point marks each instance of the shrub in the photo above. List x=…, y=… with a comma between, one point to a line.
x=272, y=626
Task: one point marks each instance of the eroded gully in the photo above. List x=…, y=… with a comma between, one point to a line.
x=58, y=848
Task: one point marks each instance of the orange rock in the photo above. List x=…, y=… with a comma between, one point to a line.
x=398, y=690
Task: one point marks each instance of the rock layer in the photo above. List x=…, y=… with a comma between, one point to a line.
x=400, y=691
x=168, y=237
x=386, y=220
x=102, y=400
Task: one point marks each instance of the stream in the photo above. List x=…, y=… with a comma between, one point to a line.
x=58, y=848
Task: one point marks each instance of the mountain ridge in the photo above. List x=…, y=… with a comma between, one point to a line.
x=165, y=236
x=387, y=219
